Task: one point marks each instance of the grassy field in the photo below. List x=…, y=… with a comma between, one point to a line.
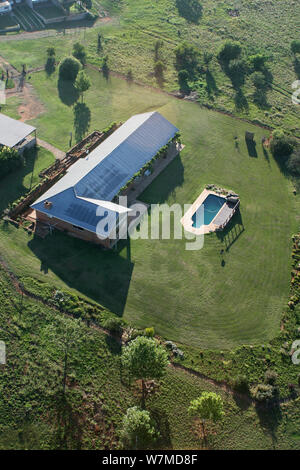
x=34, y=414
x=188, y=296
x=129, y=41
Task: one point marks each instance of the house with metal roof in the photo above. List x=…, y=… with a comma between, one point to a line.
x=16, y=134
x=84, y=196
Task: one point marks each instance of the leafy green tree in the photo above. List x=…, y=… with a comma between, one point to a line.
x=145, y=359
x=66, y=336
x=208, y=407
x=51, y=52
x=263, y=392
x=69, y=68
x=183, y=80
x=257, y=61
x=259, y=80
x=138, y=428
x=10, y=159
x=295, y=46
x=230, y=50
x=82, y=83
x=187, y=58
x=281, y=145
x=79, y=52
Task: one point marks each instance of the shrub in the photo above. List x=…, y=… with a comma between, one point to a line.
x=270, y=377
x=138, y=428
x=281, y=145
x=262, y=392
x=187, y=58
x=295, y=46
x=10, y=159
x=112, y=324
x=229, y=50
x=69, y=69
x=257, y=61
x=79, y=52
x=240, y=384
x=259, y=80
x=293, y=163
x=149, y=332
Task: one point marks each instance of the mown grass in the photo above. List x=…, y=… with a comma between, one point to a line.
x=129, y=41
x=35, y=415
x=188, y=296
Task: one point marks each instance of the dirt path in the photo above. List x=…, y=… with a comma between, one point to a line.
x=59, y=154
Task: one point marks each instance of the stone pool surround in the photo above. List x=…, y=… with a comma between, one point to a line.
x=187, y=220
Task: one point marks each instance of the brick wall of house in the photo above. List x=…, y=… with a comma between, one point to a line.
x=72, y=231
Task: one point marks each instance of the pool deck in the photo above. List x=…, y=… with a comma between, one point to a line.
x=218, y=222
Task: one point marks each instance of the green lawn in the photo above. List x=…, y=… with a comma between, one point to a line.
x=188, y=296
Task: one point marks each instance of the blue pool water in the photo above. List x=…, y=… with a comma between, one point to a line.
x=212, y=204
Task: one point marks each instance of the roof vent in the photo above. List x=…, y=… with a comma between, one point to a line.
x=47, y=204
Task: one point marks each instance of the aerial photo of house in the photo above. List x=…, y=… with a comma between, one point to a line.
x=149, y=229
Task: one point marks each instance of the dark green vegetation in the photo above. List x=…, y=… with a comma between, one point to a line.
x=24, y=176
x=35, y=414
x=10, y=159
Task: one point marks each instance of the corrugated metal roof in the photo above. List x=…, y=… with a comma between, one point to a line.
x=101, y=175
x=13, y=131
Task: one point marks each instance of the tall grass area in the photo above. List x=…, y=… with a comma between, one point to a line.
x=35, y=415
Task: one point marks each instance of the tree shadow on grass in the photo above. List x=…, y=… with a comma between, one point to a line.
x=297, y=67
x=102, y=275
x=50, y=66
x=191, y=10
x=240, y=101
x=211, y=84
x=69, y=429
x=269, y=419
x=230, y=234
x=82, y=120
x=67, y=92
x=251, y=148
x=162, y=422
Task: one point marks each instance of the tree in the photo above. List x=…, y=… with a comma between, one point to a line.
x=281, y=145
x=138, y=428
x=82, y=83
x=295, y=46
x=293, y=163
x=183, y=80
x=229, y=50
x=257, y=61
x=263, y=392
x=66, y=336
x=10, y=159
x=259, y=80
x=208, y=407
x=79, y=52
x=69, y=68
x=50, y=63
x=145, y=359
x=187, y=58
x=50, y=52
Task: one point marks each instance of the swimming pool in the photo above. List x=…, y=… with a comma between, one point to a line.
x=210, y=206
